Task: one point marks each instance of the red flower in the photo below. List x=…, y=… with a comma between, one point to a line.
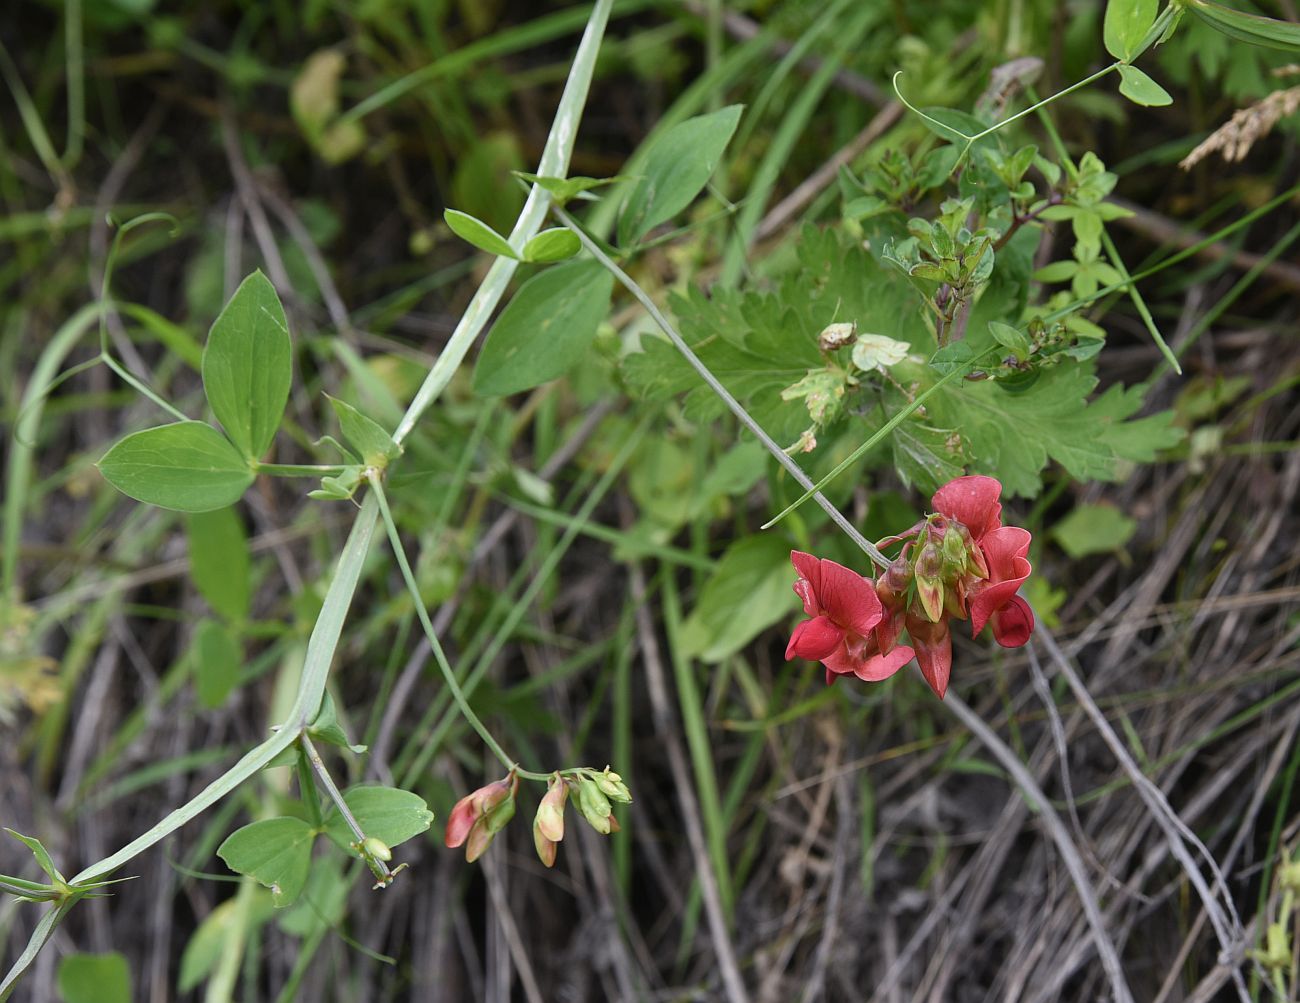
x=973, y=502
x=995, y=599
x=844, y=611
x=479, y=816
x=933, y=643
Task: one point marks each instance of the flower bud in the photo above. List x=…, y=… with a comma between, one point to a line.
x=550, y=813
x=479, y=816
x=929, y=581
x=372, y=846
x=611, y=784
x=593, y=805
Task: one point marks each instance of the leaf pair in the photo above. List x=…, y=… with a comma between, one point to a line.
x=276, y=852
x=189, y=466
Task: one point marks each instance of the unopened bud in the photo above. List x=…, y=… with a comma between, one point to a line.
x=593, y=805
x=954, y=551
x=550, y=813
x=1290, y=876
x=372, y=846
x=613, y=787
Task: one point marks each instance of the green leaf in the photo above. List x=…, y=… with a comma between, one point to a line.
x=247, y=366
x=1010, y=338
x=187, y=466
x=564, y=189
x=750, y=590
x=208, y=942
x=326, y=728
x=926, y=458
x=677, y=166
x=390, y=815
x=41, y=854
x=366, y=436
x=1141, y=89
x=218, y=656
x=1093, y=529
x=275, y=852
x=1251, y=28
x=545, y=329
x=95, y=978
x=476, y=232
x=322, y=903
x=1013, y=435
x=1126, y=25
x=555, y=244
x=219, y=561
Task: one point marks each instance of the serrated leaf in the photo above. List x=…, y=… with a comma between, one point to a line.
x=677, y=166
x=187, y=466
x=474, y=231
x=390, y=815
x=375, y=446
x=218, y=656
x=545, y=330
x=556, y=244
x=248, y=366
x=95, y=978
x=219, y=561
x=275, y=852
x=749, y=590
x=1014, y=435
x=926, y=458
x=1094, y=529
x=1126, y=25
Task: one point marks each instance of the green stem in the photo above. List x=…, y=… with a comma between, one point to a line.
x=440, y=656
x=331, y=789
x=554, y=163
x=723, y=393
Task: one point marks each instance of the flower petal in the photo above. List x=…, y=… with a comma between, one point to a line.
x=879, y=667
x=848, y=598
x=1005, y=550
x=814, y=640
x=1013, y=623
x=972, y=501
x=933, y=644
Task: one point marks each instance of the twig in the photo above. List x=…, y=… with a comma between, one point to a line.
x=1060, y=835
x=1226, y=927
x=656, y=684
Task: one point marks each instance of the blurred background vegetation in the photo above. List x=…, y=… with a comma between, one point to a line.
x=863, y=844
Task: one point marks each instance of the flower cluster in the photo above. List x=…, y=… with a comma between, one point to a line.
x=478, y=817
x=960, y=561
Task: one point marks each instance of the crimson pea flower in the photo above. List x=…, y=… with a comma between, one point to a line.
x=933, y=643
x=995, y=599
x=844, y=611
x=480, y=815
x=973, y=502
